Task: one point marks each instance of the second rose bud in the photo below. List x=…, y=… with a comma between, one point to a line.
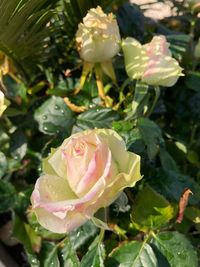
x=152, y=63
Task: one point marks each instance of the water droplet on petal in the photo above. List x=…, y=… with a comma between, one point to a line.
x=57, y=107
x=44, y=117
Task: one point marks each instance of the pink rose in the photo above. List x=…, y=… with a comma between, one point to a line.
x=152, y=62
x=87, y=172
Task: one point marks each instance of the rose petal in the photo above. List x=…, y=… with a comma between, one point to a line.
x=116, y=186
x=50, y=189
x=60, y=225
x=135, y=58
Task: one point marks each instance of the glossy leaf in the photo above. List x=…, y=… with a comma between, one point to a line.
x=96, y=118
x=8, y=196
x=53, y=116
x=83, y=234
x=95, y=255
x=133, y=254
x=151, y=210
x=68, y=255
x=177, y=249
x=49, y=255
x=151, y=135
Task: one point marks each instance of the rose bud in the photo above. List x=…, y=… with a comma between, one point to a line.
x=152, y=62
x=98, y=36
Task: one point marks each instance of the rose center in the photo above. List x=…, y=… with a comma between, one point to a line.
x=78, y=149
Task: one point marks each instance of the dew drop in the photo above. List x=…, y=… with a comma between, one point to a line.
x=62, y=111
x=33, y=261
x=57, y=107
x=44, y=117
x=45, y=128
x=78, y=234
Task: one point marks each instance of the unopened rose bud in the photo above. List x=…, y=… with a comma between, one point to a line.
x=98, y=36
x=152, y=62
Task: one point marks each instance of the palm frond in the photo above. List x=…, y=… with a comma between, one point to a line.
x=23, y=30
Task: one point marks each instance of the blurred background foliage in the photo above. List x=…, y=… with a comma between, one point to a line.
x=38, y=37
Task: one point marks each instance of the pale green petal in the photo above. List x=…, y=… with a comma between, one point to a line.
x=56, y=161
x=51, y=188
x=165, y=72
x=125, y=160
x=57, y=225
x=135, y=58
x=114, y=189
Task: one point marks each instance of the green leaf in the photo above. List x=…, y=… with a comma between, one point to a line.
x=53, y=116
x=167, y=161
x=7, y=196
x=18, y=144
x=96, y=118
x=68, y=255
x=177, y=249
x=26, y=235
x=172, y=184
x=133, y=254
x=15, y=90
x=192, y=80
x=178, y=44
x=83, y=234
x=95, y=255
x=139, y=95
x=49, y=255
x=3, y=164
x=193, y=214
x=151, y=135
x=151, y=210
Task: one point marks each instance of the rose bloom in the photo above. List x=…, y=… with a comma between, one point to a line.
x=98, y=36
x=152, y=62
x=3, y=106
x=87, y=172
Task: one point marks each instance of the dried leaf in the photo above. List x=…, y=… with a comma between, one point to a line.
x=183, y=203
